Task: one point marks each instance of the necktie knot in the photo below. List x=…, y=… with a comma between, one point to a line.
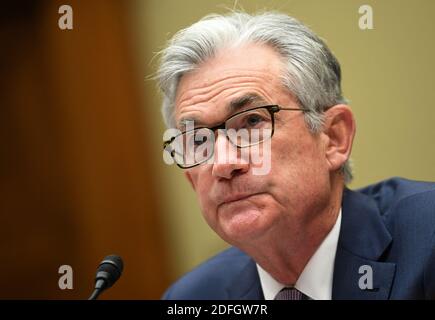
x=290, y=294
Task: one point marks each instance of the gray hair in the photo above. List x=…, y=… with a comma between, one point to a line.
x=313, y=74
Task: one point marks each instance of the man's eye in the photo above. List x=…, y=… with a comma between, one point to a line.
x=253, y=119
x=199, y=140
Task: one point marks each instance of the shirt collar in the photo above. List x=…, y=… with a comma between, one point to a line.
x=315, y=281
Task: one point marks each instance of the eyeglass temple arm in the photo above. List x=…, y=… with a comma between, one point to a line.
x=278, y=108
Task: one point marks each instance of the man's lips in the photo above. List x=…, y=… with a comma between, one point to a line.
x=237, y=197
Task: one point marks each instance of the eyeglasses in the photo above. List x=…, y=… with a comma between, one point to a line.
x=243, y=129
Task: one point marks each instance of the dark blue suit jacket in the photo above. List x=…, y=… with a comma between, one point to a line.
x=389, y=226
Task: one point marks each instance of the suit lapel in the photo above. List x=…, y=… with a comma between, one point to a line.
x=363, y=239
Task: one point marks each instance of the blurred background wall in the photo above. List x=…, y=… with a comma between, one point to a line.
x=81, y=164
x=77, y=183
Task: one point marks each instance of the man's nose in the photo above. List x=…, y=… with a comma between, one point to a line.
x=228, y=159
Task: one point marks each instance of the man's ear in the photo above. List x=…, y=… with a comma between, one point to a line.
x=339, y=130
x=188, y=176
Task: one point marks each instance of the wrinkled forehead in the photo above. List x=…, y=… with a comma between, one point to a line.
x=248, y=58
x=250, y=72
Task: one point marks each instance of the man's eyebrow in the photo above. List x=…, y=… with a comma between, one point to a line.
x=184, y=121
x=248, y=99
x=235, y=105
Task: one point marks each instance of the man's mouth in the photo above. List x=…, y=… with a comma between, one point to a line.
x=237, y=197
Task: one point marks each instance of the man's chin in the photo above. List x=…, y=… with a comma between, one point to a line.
x=241, y=226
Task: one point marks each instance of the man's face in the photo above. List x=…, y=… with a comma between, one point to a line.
x=239, y=205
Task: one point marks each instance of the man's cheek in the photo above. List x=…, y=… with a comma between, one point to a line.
x=210, y=215
x=205, y=201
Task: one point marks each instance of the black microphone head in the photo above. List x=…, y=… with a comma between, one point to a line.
x=109, y=271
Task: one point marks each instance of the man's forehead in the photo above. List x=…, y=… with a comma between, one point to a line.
x=250, y=59
x=200, y=82
x=256, y=66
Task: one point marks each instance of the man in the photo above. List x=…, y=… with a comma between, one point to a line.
x=297, y=232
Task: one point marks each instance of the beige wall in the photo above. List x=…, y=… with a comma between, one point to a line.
x=387, y=76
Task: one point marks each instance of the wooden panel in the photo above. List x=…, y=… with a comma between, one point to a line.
x=76, y=182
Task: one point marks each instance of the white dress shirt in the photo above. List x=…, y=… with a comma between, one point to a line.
x=315, y=280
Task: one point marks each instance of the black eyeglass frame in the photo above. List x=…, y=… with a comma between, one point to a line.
x=272, y=109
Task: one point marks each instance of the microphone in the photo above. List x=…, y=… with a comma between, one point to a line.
x=108, y=272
